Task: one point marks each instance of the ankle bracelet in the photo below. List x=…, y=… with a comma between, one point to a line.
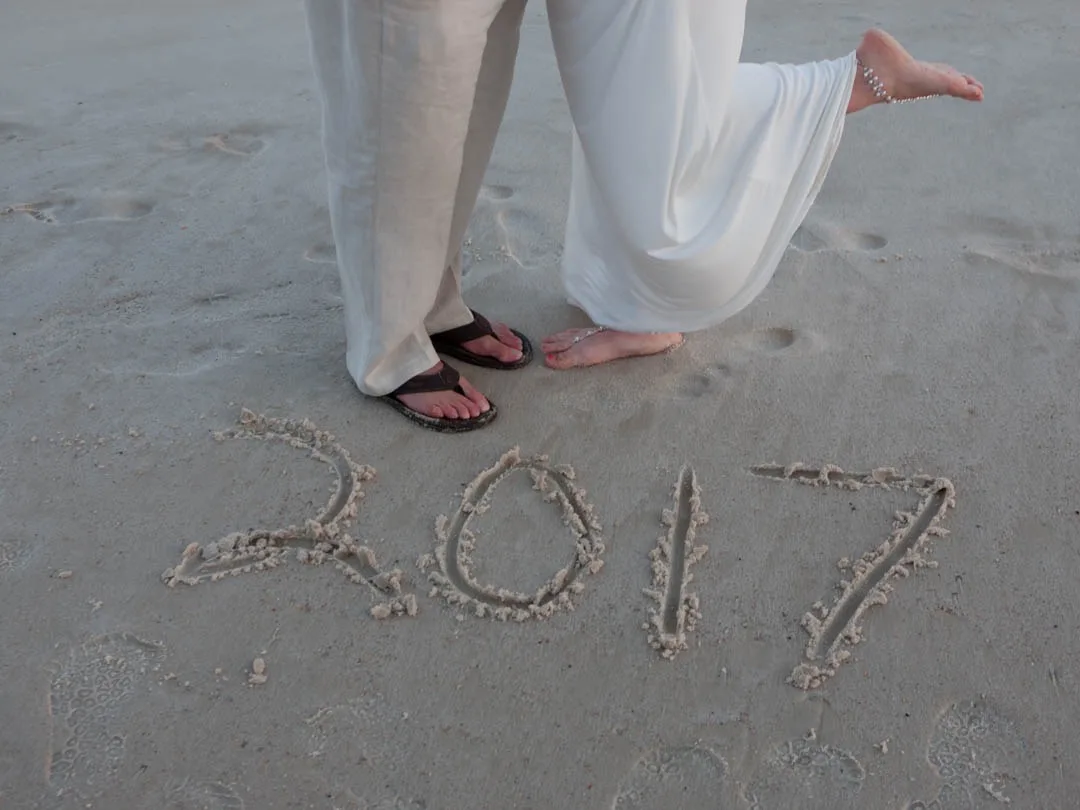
x=878, y=86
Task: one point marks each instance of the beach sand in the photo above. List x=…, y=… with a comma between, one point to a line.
x=229, y=581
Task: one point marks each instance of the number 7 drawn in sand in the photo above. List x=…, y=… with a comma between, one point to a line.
x=834, y=630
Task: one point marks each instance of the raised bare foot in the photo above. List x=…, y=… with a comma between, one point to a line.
x=577, y=348
x=902, y=76
x=447, y=404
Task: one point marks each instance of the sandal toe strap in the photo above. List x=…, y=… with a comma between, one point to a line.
x=480, y=327
x=445, y=379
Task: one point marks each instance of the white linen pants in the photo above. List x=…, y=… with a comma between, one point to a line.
x=691, y=170
x=413, y=93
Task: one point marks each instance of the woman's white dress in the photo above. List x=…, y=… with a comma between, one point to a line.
x=691, y=170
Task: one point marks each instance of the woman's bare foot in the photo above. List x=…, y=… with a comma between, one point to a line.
x=578, y=348
x=447, y=404
x=904, y=77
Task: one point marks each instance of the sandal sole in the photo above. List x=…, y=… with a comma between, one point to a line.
x=442, y=425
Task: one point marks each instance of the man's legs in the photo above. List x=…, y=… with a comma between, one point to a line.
x=398, y=82
x=488, y=108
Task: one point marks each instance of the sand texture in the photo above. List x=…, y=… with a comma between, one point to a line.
x=825, y=556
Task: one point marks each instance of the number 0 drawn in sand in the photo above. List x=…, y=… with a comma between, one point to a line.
x=835, y=629
x=454, y=542
x=319, y=540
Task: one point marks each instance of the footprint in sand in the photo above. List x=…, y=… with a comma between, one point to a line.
x=807, y=775
x=343, y=736
x=775, y=339
x=1035, y=255
x=349, y=800
x=1054, y=269
x=13, y=555
x=87, y=696
x=190, y=794
x=115, y=207
x=713, y=381
x=975, y=752
x=501, y=233
x=820, y=238
x=237, y=143
x=454, y=579
x=321, y=253
x=496, y=192
x=671, y=778
x=717, y=380
x=12, y=131
x=319, y=540
x=357, y=731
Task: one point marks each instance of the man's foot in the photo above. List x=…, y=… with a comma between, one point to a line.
x=486, y=344
x=505, y=346
x=447, y=404
x=578, y=348
x=904, y=77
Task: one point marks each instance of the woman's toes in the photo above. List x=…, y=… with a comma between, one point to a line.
x=560, y=361
x=559, y=342
x=967, y=90
x=549, y=344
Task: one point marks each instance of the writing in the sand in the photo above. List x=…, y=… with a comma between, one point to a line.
x=832, y=629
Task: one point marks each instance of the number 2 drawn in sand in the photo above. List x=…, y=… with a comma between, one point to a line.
x=319, y=540
x=454, y=579
x=833, y=630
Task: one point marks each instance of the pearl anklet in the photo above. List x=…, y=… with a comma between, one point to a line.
x=878, y=86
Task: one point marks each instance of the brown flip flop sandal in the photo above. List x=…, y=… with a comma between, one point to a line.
x=451, y=343
x=445, y=379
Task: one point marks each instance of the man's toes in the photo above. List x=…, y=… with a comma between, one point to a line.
x=465, y=409
x=507, y=337
x=496, y=348
x=475, y=399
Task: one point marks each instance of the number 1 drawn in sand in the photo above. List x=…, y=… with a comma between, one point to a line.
x=833, y=630
x=676, y=611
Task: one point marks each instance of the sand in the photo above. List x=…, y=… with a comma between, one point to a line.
x=884, y=444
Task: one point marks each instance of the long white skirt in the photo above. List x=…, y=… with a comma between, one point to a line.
x=691, y=170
